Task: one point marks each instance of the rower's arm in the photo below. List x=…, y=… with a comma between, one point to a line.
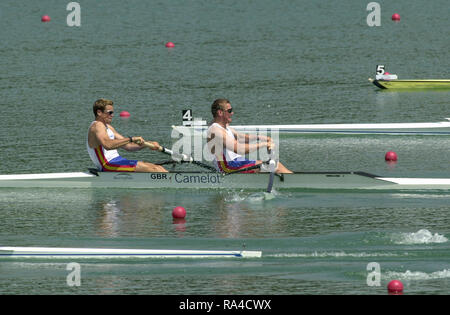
x=99, y=136
x=246, y=138
x=249, y=137
x=129, y=146
x=137, y=144
x=238, y=146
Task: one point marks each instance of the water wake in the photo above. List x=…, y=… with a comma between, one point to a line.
x=422, y=236
x=418, y=275
x=336, y=254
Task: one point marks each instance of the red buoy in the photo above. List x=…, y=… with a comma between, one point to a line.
x=124, y=113
x=170, y=45
x=395, y=286
x=396, y=17
x=391, y=156
x=45, y=18
x=178, y=212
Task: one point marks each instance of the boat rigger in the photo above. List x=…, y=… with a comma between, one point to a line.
x=212, y=180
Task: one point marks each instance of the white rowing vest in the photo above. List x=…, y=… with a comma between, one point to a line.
x=99, y=155
x=228, y=155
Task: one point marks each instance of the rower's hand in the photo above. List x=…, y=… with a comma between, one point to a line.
x=155, y=145
x=138, y=140
x=270, y=145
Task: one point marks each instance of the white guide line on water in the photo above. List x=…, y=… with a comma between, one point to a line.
x=336, y=254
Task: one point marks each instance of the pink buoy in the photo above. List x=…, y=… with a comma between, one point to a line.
x=391, y=156
x=124, y=113
x=395, y=286
x=170, y=45
x=179, y=213
x=396, y=17
x=45, y=18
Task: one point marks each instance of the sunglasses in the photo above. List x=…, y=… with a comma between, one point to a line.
x=230, y=110
x=110, y=112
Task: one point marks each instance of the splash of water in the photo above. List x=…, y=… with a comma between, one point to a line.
x=422, y=236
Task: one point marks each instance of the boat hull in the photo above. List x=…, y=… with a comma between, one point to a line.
x=412, y=84
x=55, y=252
x=210, y=180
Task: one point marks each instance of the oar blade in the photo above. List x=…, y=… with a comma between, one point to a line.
x=268, y=195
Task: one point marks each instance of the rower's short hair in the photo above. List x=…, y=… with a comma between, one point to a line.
x=100, y=104
x=218, y=104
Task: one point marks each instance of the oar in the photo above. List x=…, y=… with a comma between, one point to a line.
x=272, y=168
x=179, y=157
x=271, y=177
x=160, y=148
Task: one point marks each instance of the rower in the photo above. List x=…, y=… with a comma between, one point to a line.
x=103, y=141
x=228, y=146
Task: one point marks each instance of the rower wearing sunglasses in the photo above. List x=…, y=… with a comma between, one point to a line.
x=229, y=147
x=103, y=141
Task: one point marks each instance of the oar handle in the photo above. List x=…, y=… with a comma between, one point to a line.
x=153, y=147
x=158, y=148
x=182, y=158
